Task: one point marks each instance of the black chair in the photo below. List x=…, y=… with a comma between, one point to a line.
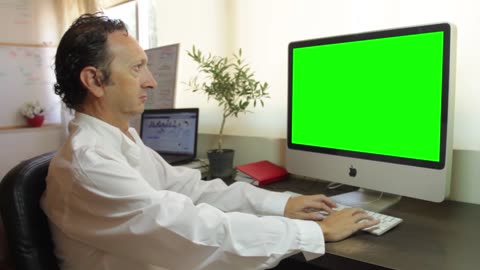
x=27, y=231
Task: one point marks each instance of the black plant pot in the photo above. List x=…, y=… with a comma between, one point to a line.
x=221, y=163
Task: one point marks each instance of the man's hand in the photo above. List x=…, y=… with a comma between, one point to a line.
x=309, y=207
x=341, y=224
x=336, y=225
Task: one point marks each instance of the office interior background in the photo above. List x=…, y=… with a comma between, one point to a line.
x=263, y=29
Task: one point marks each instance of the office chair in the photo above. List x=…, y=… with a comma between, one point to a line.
x=28, y=235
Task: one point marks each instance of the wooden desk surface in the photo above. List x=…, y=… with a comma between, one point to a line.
x=432, y=235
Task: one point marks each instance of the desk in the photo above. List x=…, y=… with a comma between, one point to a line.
x=432, y=236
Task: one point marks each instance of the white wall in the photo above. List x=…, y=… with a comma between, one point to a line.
x=22, y=144
x=205, y=24
x=29, y=22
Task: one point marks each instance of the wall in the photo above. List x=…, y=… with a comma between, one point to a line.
x=205, y=24
x=27, y=22
x=263, y=29
x=24, y=143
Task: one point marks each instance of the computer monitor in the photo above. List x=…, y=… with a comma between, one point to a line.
x=172, y=133
x=374, y=110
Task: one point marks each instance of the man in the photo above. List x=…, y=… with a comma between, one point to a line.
x=114, y=203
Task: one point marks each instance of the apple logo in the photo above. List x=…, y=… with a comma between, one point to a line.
x=352, y=171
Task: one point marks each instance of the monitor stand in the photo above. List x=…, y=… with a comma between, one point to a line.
x=367, y=199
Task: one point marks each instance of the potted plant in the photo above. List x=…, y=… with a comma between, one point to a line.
x=33, y=113
x=231, y=83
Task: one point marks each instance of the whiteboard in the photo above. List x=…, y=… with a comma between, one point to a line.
x=26, y=74
x=162, y=62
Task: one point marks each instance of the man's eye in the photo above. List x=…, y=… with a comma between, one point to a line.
x=137, y=67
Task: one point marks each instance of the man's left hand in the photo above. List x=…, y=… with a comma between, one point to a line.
x=311, y=207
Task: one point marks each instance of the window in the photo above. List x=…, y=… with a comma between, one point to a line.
x=127, y=12
x=140, y=17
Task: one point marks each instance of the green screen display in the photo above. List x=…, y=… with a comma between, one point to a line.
x=377, y=96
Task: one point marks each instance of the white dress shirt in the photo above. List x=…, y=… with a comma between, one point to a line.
x=116, y=204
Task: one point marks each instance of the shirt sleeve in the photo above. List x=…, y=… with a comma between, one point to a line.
x=238, y=196
x=111, y=207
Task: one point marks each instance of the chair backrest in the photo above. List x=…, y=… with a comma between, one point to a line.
x=26, y=226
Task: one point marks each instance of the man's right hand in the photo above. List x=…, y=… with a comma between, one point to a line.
x=339, y=225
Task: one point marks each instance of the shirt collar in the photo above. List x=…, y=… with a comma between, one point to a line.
x=109, y=136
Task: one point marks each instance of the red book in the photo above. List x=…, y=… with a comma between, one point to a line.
x=263, y=172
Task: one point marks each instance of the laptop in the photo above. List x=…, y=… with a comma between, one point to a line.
x=172, y=133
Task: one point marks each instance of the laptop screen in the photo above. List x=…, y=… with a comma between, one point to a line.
x=171, y=131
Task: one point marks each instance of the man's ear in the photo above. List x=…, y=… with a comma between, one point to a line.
x=92, y=80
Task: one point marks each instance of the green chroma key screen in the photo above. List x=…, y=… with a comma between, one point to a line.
x=378, y=96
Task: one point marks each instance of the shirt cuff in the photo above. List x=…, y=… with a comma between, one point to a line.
x=310, y=238
x=274, y=203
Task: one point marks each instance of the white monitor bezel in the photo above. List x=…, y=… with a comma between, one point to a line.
x=411, y=180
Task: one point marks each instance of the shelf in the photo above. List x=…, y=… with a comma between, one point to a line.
x=8, y=129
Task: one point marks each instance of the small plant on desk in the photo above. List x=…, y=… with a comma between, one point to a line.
x=231, y=83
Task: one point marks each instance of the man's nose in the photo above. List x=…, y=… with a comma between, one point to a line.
x=149, y=81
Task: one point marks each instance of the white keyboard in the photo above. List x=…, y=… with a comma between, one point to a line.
x=386, y=222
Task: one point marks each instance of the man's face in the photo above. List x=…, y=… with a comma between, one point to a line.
x=125, y=93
